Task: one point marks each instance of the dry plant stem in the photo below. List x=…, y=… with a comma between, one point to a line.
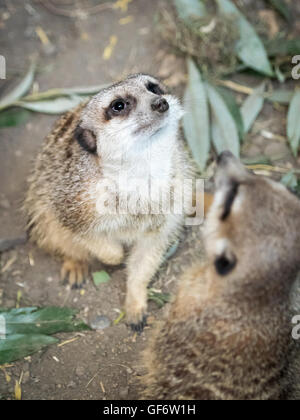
x=74, y=14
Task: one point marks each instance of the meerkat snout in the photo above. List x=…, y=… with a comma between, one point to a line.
x=161, y=105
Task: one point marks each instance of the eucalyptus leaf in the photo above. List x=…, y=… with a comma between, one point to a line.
x=100, y=277
x=225, y=134
x=282, y=8
x=281, y=96
x=249, y=48
x=290, y=180
x=159, y=298
x=58, y=92
x=293, y=123
x=54, y=106
x=14, y=117
x=234, y=110
x=17, y=346
x=20, y=89
x=188, y=9
x=252, y=106
x=171, y=251
x=48, y=320
x=196, y=118
x=283, y=47
x=27, y=330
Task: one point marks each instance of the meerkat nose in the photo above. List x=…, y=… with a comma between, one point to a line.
x=160, y=104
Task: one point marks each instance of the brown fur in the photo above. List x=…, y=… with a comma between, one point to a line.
x=228, y=336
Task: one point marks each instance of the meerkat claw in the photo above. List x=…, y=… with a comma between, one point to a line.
x=139, y=327
x=74, y=273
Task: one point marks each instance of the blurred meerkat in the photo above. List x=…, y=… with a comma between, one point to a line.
x=127, y=132
x=228, y=333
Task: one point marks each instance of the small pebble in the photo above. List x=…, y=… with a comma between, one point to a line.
x=100, y=323
x=80, y=371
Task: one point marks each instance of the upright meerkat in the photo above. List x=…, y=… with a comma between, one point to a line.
x=91, y=164
x=228, y=333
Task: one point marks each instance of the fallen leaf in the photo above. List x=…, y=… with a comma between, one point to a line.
x=249, y=48
x=54, y=106
x=188, y=9
x=100, y=277
x=233, y=109
x=20, y=90
x=110, y=48
x=293, y=123
x=126, y=20
x=225, y=134
x=122, y=5
x=14, y=117
x=196, y=118
x=42, y=35
x=252, y=106
x=282, y=8
x=18, y=391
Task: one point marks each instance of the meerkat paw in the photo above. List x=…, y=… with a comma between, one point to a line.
x=136, y=315
x=74, y=273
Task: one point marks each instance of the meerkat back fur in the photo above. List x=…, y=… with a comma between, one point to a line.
x=127, y=132
x=228, y=333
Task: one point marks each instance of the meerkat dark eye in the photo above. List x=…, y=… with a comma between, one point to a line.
x=118, y=106
x=155, y=88
x=224, y=264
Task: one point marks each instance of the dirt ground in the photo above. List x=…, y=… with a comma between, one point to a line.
x=107, y=364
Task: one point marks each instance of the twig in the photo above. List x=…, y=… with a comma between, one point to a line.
x=236, y=87
x=74, y=14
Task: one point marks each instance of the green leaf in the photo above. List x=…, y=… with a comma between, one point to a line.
x=159, y=298
x=188, y=9
x=283, y=47
x=196, y=118
x=282, y=8
x=171, y=251
x=27, y=330
x=234, y=109
x=20, y=90
x=290, y=180
x=100, y=277
x=17, y=346
x=281, y=96
x=252, y=106
x=48, y=320
x=57, y=92
x=55, y=106
x=224, y=130
x=249, y=48
x=14, y=117
x=293, y=123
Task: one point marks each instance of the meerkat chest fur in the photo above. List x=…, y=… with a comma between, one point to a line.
x=142, y=176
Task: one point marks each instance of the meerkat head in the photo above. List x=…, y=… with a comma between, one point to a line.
x=127, y=115
x=253, y=228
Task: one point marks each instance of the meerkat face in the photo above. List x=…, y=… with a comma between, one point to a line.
x=253, y=225
x=128, y=114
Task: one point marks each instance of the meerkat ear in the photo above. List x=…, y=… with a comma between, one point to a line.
x=86, y=138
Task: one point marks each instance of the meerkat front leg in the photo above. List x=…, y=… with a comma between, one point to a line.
x=143, y=263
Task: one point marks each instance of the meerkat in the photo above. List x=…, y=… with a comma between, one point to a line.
x=88, y=168
x=228, y=333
